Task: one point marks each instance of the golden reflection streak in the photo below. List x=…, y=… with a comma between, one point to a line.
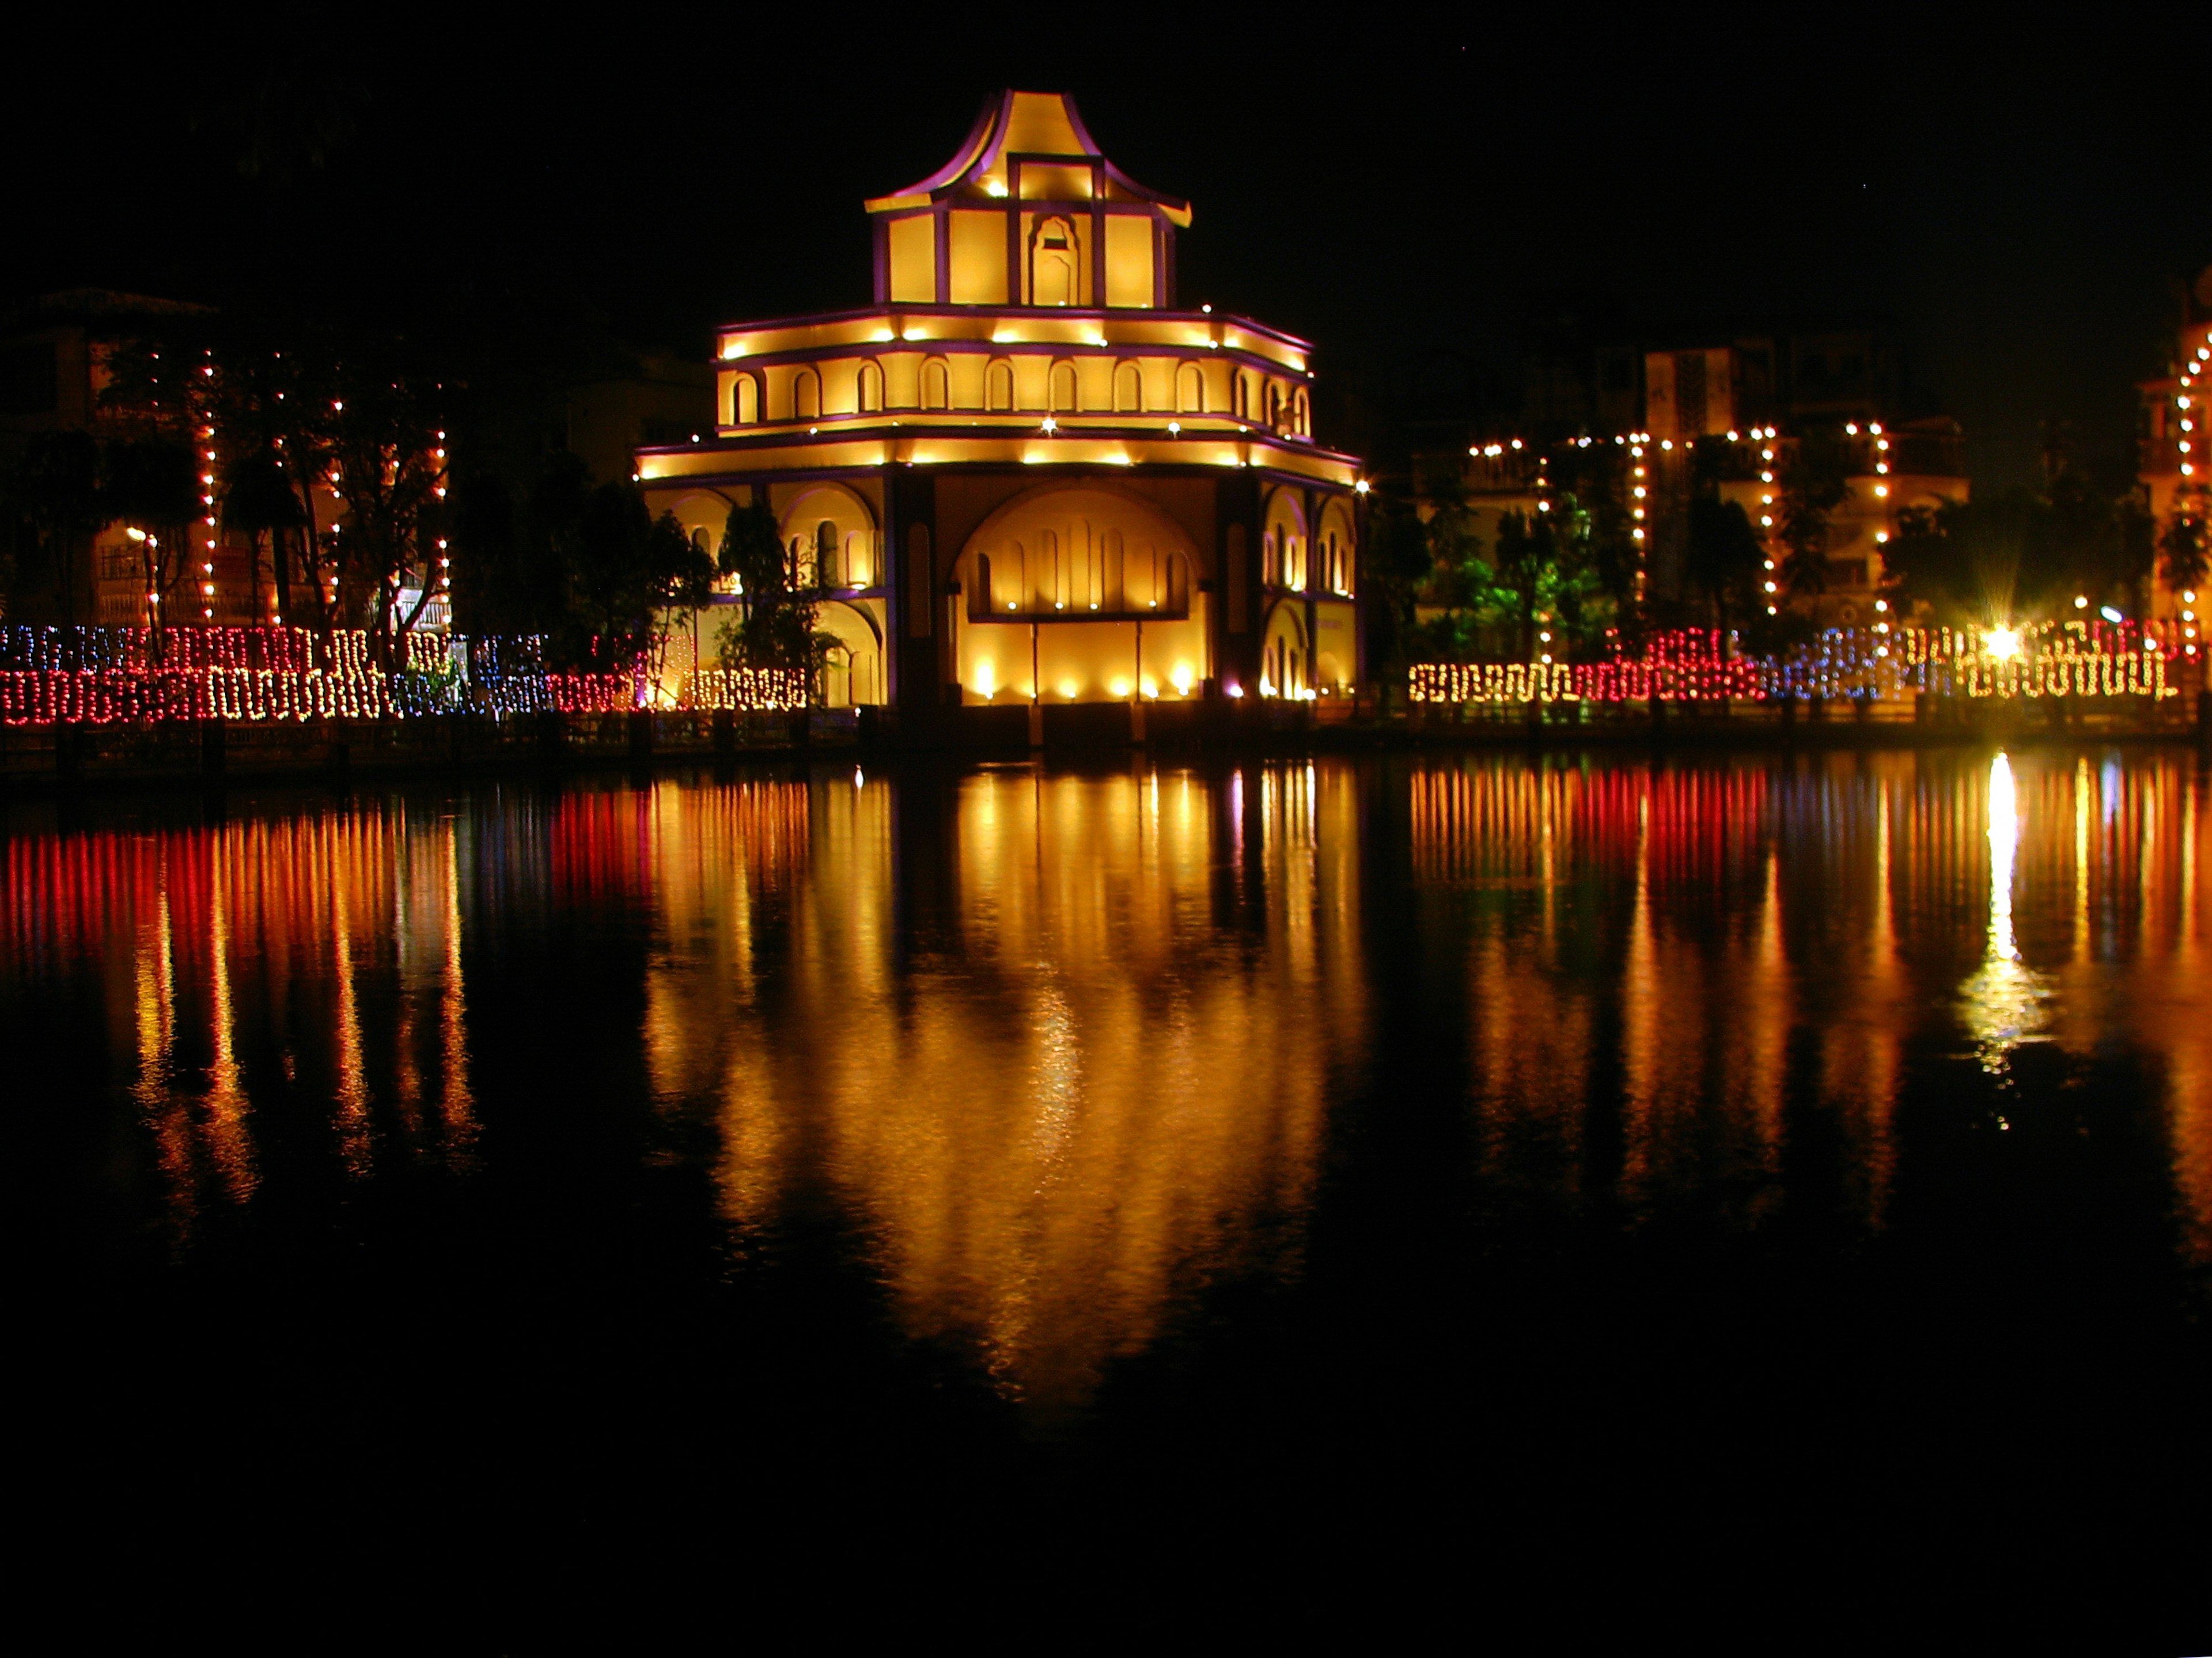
x=406, y=1063
x=458, y=1106
x=2180, y=1021
x=155, y=1008
x=228, y=1108
x=1081, y=1099
x=2004, y=1002
x=2081, y=786
x=352, y=1121
x=1640, y=1012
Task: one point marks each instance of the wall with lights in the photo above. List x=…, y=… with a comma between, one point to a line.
x=1877, y=665
x=133, y=676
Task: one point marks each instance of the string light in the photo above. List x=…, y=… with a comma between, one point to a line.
x=110, y=676
x=1884, y=662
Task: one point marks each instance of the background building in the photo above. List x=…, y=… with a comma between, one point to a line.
x=1023, y=477
x=2176, y=459
x=55, y=377
x=1737, y=405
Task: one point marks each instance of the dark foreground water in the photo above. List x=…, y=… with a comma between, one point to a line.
x=1761, y=1202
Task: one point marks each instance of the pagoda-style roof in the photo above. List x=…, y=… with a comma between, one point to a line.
x=1033, y=145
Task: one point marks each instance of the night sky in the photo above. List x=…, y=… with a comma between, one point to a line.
x=1412, y=193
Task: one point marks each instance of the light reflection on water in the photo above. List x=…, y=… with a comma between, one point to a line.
x=1061, y=1050
x=2004, y=1002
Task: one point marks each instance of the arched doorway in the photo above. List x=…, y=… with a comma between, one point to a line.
x=1285, y=667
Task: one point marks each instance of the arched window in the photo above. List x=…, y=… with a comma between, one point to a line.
x=1271, y=559
x=1129, y=389
x=1336, y=547
x=1052, y=263
x=745, y=400
x=1063, y=387
x=1190, y=390
x=936, y=385
x=807, y=396
x=1052, y=571
x=999, y=387
x=979, y=589
x=1302, y=415
x=1275, y=406
x=826, y=570
x=872, y=389
x=1240, y=396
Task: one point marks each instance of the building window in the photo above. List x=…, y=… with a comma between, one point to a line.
x=1190, y=390
x=872, y=389
x=999, y=387
x=744, y=400
x=1063, y=388
x=807, y=396
x=936, y=385
x=1129, y=389
x=1052, y=265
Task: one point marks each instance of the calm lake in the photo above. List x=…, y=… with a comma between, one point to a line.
x=1585, y=1190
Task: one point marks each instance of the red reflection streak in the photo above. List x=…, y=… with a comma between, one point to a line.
x=1488, y=821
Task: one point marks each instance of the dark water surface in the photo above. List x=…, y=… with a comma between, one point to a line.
x=1771, y=1197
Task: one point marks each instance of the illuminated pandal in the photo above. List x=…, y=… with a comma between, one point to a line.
x=1878, y=663
x=134, y=675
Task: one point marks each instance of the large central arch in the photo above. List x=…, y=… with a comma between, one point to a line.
x=1067, y=551
x=1081, y=592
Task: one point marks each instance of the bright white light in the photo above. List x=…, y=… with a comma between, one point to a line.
x=2003, y=644
x=2110, y=614
x=2004, y=842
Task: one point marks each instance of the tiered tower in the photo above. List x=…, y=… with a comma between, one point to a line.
x=1023, y=477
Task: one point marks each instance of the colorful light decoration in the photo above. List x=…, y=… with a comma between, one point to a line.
x=1877, y=664
x=112, y=675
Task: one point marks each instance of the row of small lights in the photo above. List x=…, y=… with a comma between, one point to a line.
x=2190, y=371
x=1636, y=443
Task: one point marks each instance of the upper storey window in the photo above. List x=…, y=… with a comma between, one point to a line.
x=1052, y=263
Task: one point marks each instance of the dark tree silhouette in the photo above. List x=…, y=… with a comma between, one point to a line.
x=54, y=509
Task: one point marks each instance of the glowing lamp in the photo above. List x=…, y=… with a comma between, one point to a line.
x=2002, y=643
x=1235, y=690
x=2110, y=614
